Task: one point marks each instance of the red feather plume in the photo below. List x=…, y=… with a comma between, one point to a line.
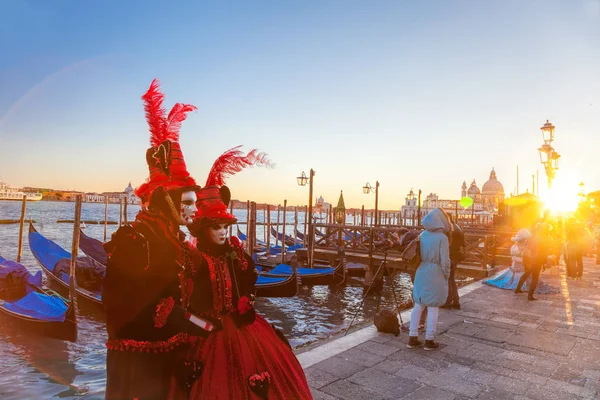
x=163, y=128
x=155, y=113
x=232, y=162
x=177, y=115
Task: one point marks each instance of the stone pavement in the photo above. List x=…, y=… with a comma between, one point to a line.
x=499, y=346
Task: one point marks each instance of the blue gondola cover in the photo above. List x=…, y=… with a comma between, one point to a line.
x=39, y=306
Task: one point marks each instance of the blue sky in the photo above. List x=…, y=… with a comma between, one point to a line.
x=413, y=94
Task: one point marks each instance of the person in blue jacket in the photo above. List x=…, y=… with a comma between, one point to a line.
x=431, y=279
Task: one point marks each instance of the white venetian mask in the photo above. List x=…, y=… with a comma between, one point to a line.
x=188, y=208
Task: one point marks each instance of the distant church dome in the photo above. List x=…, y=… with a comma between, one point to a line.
x=493, y=186
x=128, y=189
x=473, y=189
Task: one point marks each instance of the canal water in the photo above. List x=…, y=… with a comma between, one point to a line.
x=37, y=368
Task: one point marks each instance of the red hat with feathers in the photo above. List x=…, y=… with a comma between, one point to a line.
x=164, y=157
x=214, y=197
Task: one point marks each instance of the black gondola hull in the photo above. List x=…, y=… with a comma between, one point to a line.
x=286, y=288
x=66, y=330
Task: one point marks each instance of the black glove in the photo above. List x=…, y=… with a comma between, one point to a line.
x=243, y=319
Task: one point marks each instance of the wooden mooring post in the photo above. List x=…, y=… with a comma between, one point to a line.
x=295, y=223
x=268, y=228
x=362, y=216
x=283, y=235
x=105, y=216
x=277, y=227
x=251, y=228
x=266, y=206
x=306, y=219
x=75, y=250
x=22, y=228
x=125, y=222
x=120, y=212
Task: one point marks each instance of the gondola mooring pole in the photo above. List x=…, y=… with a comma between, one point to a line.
x=125, y=201
x=21, y=228
x=105, y=215
x=283, y=235
x=120, y=211
x=74, y=251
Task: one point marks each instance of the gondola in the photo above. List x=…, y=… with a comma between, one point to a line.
x=277, y=286
x=289, y=241
x=33, y=308
x=311, y=276
x=48, y=254
x=92, y=248
x=260, y=245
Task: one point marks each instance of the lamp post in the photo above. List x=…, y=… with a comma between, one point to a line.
x=369, y=189
x=548, y=156
x=302, y=180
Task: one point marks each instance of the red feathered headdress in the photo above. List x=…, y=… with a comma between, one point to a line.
x=164, y=158
x=214, y=197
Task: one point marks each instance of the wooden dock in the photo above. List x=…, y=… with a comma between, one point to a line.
x=471, y=271
x=485, y=250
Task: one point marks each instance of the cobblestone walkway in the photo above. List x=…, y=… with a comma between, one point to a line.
x=499, y=346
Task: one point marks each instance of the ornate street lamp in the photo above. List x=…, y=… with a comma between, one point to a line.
x=548, y=156
x=545, y=153
x=369, y=189
x=302, y=180
x=547, y=132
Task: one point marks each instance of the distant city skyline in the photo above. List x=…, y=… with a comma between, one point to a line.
x=418, y=95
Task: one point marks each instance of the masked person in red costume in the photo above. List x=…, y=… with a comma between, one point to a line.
x=147, y=260
x=246, y=358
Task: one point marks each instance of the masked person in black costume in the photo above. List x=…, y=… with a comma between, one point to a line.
x=143, y=293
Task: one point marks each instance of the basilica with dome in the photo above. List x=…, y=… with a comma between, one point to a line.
x=490, y=195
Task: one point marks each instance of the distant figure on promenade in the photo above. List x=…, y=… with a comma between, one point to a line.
x=141, y=292
x=578, y=241
x=431, y=279
x=510, y=278
x=596, y=233
x=457, y=254
x=535, y=258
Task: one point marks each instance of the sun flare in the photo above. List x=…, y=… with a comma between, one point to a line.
x=564, y=195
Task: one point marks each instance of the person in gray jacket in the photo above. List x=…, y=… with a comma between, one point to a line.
x=431, y=280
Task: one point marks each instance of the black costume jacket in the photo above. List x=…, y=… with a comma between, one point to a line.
x=143, y=297
x=223, y=280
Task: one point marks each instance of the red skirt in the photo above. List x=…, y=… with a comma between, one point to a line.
x=232, y=355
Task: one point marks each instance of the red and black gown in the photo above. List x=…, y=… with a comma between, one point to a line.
x=246, y=358
x=142, y=297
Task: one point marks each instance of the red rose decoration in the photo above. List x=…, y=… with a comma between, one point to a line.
x=244, y=305
x=259, y=384
x=163, y=309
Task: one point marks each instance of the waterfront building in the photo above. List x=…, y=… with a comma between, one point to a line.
x=485, y=204
x=94, y=198
x=128, y=195
x=321, y=206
